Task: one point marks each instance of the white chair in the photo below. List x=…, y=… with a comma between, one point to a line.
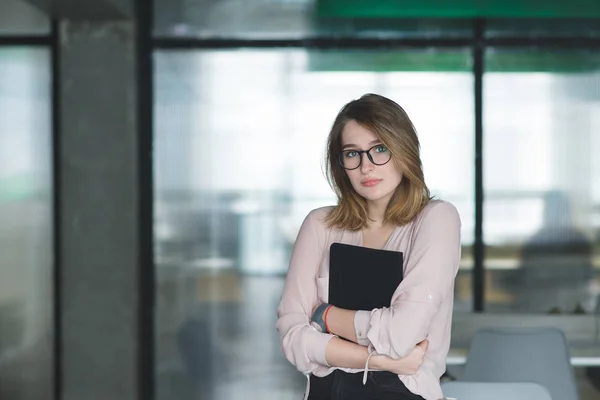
x=539, y=355
x=495, y=391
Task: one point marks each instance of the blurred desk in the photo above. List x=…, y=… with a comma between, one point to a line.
x=581, y=356
x=581, y=331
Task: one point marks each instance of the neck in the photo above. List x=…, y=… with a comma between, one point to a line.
x=376, y=212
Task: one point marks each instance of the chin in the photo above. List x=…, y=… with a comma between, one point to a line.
x=372, y=196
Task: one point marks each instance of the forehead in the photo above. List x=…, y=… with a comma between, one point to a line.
x=354, y=133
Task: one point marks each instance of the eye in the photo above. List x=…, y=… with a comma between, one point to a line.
x=351, y=154
x=381, y=149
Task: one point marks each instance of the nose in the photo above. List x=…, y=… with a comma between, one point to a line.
x=366, y=165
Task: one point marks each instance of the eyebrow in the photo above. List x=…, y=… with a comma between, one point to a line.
x=349, y=145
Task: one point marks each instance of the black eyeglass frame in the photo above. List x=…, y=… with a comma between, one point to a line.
x=360, y=153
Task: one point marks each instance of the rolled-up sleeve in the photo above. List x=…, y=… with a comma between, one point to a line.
x=302, y=345
x=430, y=272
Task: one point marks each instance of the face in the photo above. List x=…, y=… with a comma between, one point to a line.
x=376, y=183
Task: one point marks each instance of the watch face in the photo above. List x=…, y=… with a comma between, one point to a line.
x=317, y=327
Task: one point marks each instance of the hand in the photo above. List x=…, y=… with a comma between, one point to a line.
x=407, y=365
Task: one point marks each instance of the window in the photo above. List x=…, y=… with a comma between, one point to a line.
x=20, y=17
x=26, y=255
x=542, y=180
x=240, y=138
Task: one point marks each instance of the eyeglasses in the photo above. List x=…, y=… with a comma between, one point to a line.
x=352, y=159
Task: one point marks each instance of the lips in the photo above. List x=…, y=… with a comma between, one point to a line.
x=370, y=182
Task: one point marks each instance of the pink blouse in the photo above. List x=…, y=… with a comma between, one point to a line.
x=421, y=306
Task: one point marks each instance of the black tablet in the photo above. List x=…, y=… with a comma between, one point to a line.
x=361, y=278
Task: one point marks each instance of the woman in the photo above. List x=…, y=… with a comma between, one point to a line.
x=374, y=166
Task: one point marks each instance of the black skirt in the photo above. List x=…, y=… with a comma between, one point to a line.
x=340, y=385
x=361, y=279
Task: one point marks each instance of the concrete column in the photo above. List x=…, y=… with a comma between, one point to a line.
x=104, y=211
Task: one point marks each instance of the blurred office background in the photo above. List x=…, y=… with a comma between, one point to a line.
x=506, y=102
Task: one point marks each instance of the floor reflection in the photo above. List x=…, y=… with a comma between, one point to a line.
x=217, y=340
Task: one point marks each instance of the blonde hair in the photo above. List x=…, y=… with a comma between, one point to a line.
x=392, y=126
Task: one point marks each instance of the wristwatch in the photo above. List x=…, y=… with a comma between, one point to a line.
x=318, y=318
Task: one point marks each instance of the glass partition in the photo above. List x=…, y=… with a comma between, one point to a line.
x=239, y=142
x=26, y=235
x=21, y=17
x=252, y=19
x=542, y=181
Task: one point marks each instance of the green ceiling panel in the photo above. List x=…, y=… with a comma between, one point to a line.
x=436, y=61
x=458, y=8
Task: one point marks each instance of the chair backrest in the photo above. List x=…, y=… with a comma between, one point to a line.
x=495, y=391
x=539, y=355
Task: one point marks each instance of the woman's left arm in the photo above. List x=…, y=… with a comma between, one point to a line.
x=429, y=277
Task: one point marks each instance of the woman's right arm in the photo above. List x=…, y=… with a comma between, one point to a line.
x=303, y=346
